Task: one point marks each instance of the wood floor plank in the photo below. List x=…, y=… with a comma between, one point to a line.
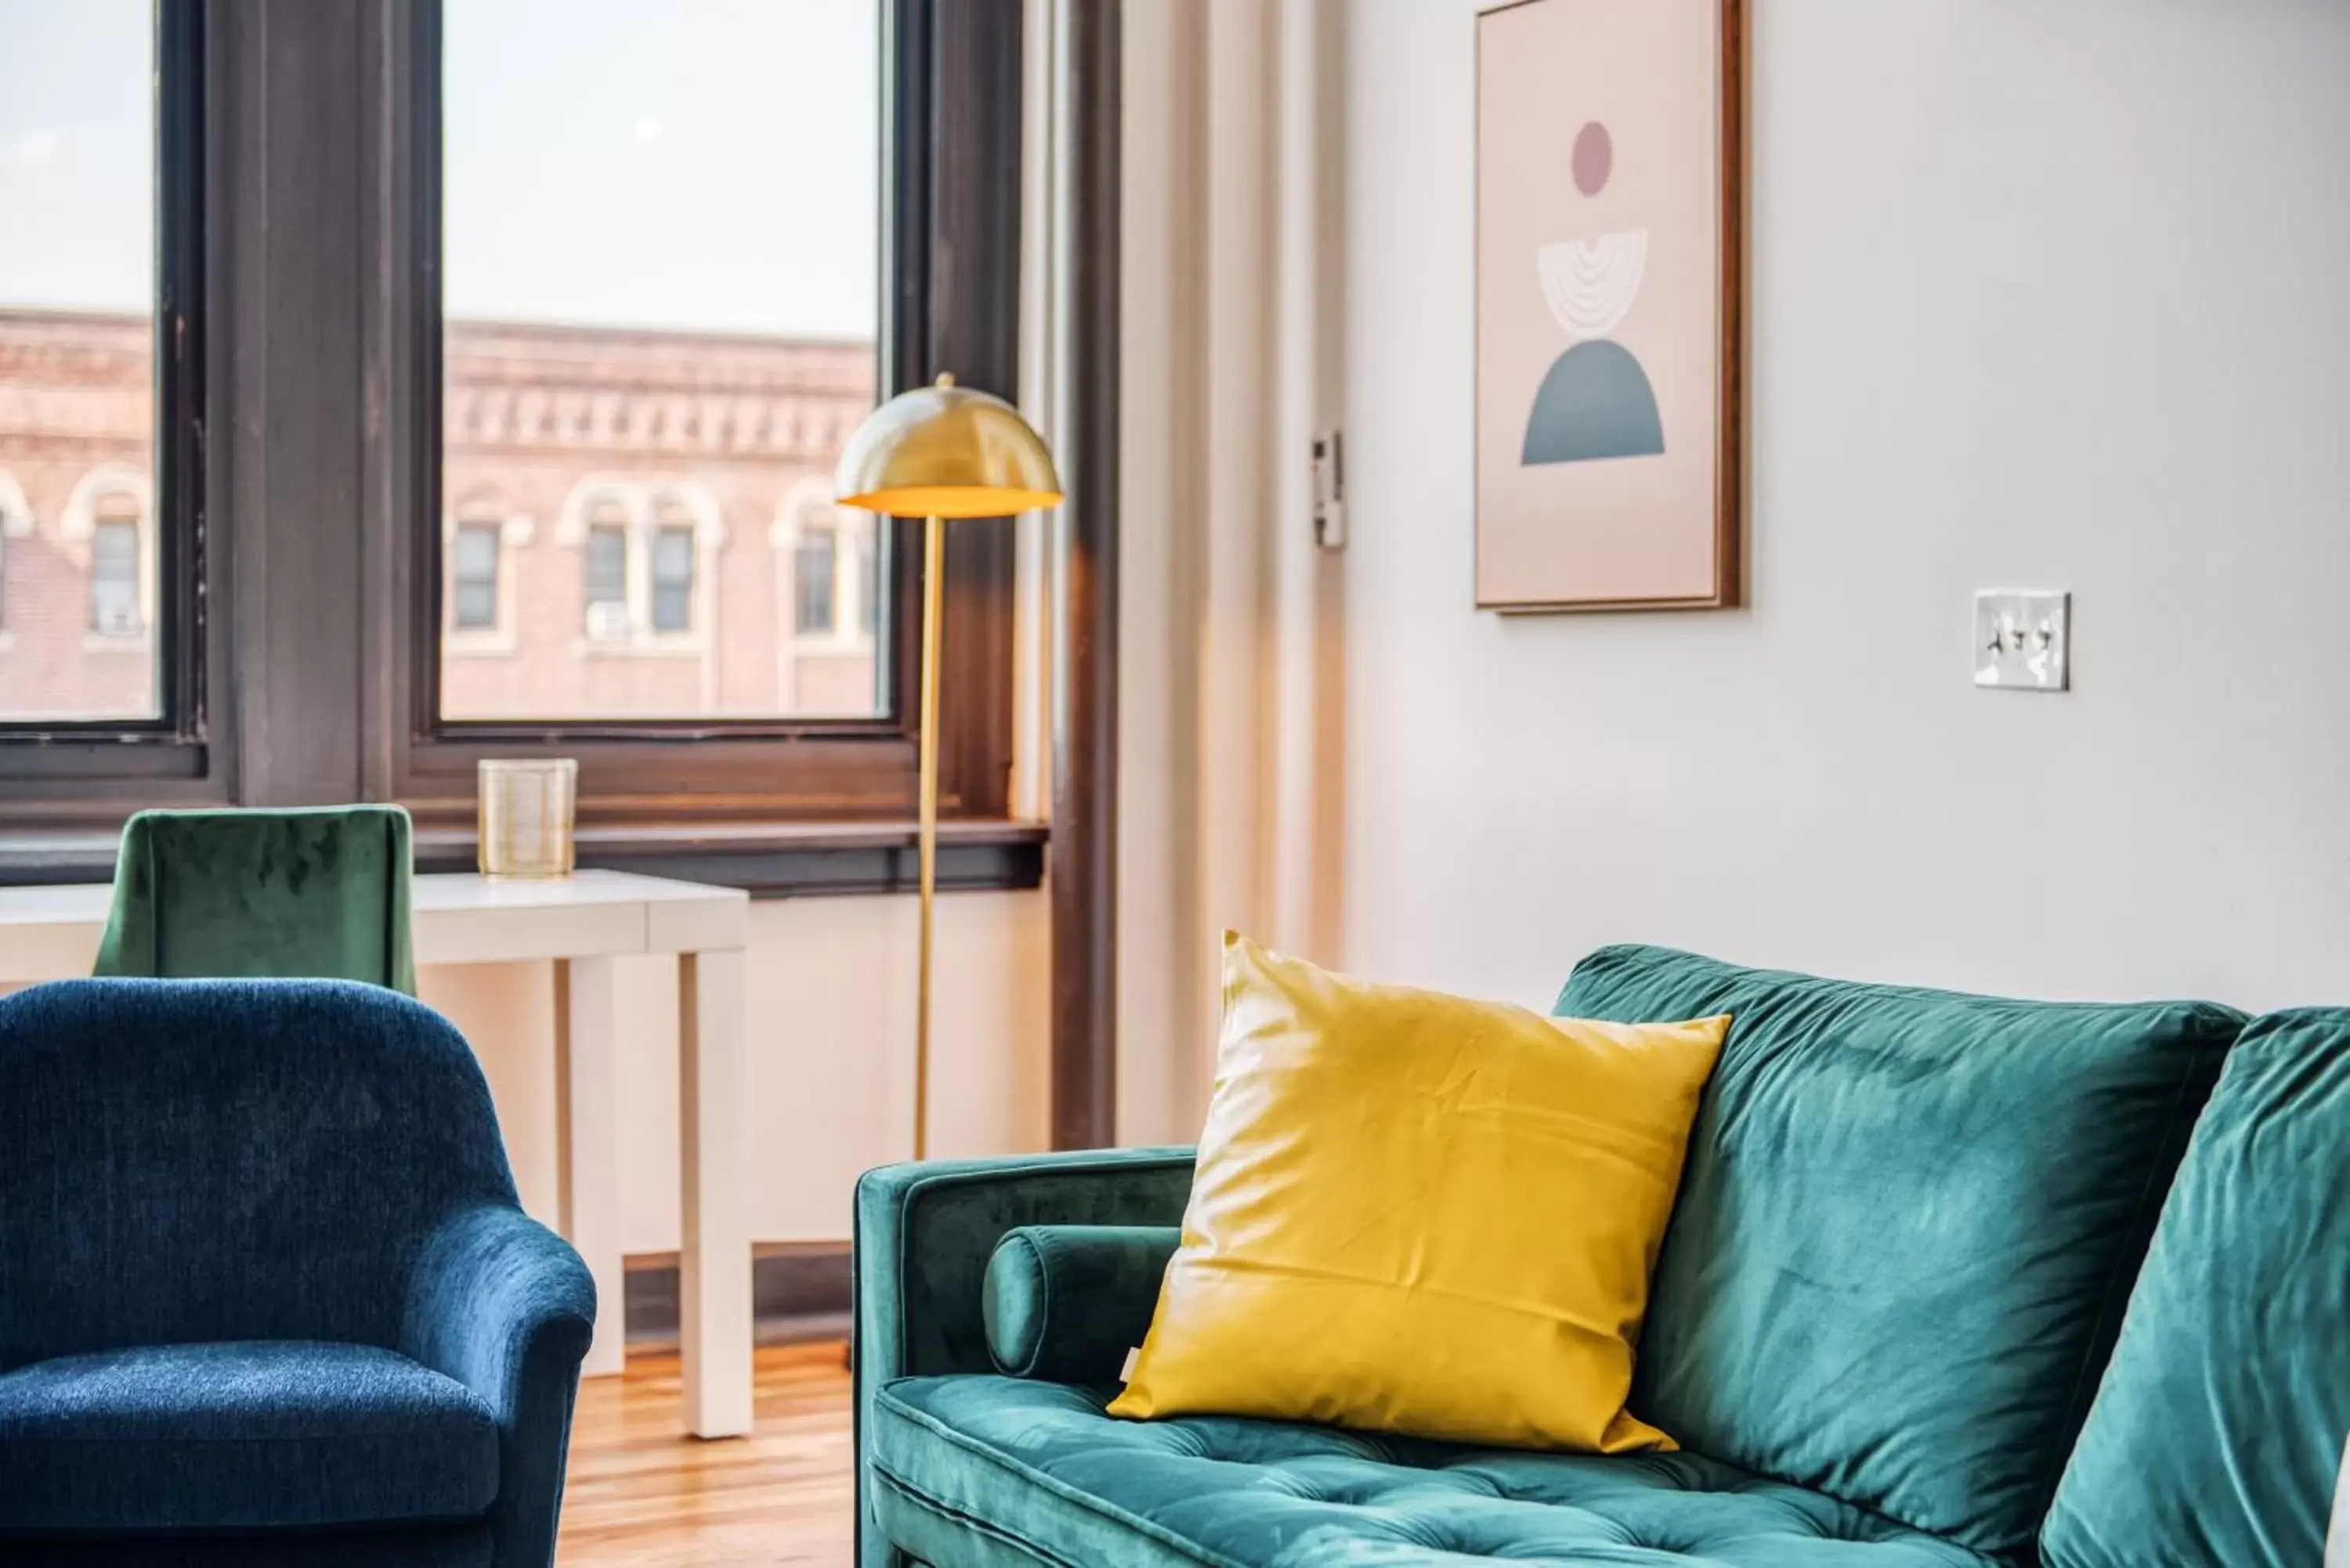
x=642, y=1493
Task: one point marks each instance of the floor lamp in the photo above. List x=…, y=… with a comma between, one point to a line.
x=937, y=453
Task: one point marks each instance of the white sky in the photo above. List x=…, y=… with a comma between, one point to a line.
x=693, y=164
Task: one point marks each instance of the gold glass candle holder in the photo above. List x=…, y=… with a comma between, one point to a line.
x=526, y=810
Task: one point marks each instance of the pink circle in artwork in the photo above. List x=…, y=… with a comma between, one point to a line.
x=1594, y=156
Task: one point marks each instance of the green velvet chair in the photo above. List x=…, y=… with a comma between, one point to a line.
x=320, y=893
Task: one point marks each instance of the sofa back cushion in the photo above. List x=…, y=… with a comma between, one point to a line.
x=2216, y=1439
x=1907, y=1228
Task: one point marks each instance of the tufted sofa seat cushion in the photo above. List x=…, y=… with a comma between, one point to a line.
x=1044, y=1475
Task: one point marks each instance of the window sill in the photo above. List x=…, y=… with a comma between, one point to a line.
x=769, y=860
x=479, y=642
x=793, y=859
x=117, y=643
x=642, y=645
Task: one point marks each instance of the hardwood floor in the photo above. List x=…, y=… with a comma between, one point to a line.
x=642, y=1493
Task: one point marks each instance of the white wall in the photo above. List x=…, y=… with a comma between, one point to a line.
x=2042, y=295
x=832, y=1021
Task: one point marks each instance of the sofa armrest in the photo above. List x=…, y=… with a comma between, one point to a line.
x=923, y=1235
x=1066, y=1302
x=504, y=1306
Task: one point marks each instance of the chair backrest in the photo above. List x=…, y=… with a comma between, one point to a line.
x=1907, y=1228
x=318, y=893
x=188, y=1161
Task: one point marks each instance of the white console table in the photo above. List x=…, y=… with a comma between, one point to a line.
x=582, y=923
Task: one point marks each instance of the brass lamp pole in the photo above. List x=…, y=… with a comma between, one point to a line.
x=936, y=452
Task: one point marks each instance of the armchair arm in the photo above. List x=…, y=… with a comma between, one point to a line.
x=504, y=1306
x=924, y=1237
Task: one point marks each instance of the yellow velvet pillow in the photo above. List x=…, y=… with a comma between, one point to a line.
x=1416, y=1214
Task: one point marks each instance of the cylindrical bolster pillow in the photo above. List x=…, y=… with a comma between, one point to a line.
x=1066, y=1303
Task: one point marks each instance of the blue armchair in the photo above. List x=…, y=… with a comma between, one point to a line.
x=266, y=1293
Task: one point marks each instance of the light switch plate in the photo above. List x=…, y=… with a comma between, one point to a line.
x=2023, y=640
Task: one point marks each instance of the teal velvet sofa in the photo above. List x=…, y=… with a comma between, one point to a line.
x=1952, y=1281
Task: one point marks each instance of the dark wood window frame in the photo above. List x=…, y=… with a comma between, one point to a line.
x=951, y=155
x=303, y=657
x=59, y=774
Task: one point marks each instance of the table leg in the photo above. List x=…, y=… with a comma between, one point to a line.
x=714, y=1264
x=587, y=1121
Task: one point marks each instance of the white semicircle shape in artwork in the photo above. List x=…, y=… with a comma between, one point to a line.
x=1590, y=285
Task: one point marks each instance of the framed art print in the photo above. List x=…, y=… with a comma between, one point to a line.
x=1608, y=161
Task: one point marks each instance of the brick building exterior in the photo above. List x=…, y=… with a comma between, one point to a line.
x=634, y=523
x=75, y=451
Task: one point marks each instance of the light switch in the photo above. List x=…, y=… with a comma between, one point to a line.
x=2023, y=640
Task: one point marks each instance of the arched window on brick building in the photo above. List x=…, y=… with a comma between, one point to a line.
x=827, y=578
x=646, y=560
x=15, y=523
x=480, y=538
x=110, y=522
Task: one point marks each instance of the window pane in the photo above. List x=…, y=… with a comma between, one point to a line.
x=477, y=551
x=869, y=584
x=477, y=604
x=673, y=579
x=476, y=597
x=114, y=579
x=812, y=580
x=607, y=570
x=661, y=273
x=77, y=159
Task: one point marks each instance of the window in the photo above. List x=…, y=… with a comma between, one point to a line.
x=660, y=279
x=812, y=576
x=666, y=266
x=607, y=570
x=673, y=577
x=114, y=577
x=867, y=591
x=91, y=256
x=474, y=590
x=481, y=544
x=15, y=523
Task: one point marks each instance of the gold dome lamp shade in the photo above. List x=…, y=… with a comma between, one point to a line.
x=944, y=451
x=939, y=453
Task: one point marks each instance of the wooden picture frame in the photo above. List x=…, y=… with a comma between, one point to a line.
x=1609, y=315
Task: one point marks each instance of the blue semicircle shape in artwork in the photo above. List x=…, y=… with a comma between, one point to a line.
x=1596, y=402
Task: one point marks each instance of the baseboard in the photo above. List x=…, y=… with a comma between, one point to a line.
x=799, y=1290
